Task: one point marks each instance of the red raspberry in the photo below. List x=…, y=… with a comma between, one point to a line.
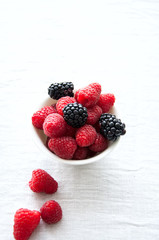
x=94, y=114
x=64, y=147
x=54, y=125
x=42, y=182
x=100, y=144
x=39, y=117
x=25, y=221
x=80, y=153
x=70, y=131
x=106, y=101
x=85, y=136
x=97, y=127
x=62, y=102
x=91, y=154
x=96, y=86
x=76, y=94
x=89, y=95
x=51, y=212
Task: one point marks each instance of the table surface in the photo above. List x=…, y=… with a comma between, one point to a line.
x=115, y=43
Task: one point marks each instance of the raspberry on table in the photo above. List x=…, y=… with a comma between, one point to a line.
x=89, y=95
x=106, y=101
x=62, y=89
x=111, y=127
x=51, y=212
x=80, y=153
x=41, y=181
x=39, y=117
x=100, y=144
x=94, y=114
x=75, y=114
x=54, y=125
x=25, y=222
x=86, y=135
x=64, y=147
x=62, y=102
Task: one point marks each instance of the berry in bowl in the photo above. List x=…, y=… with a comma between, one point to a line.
x=77, y=127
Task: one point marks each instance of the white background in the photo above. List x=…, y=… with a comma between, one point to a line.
x=115, y=43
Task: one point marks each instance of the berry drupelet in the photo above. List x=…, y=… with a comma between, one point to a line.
x=111, y=127
x=58, y=90
x=75, y=114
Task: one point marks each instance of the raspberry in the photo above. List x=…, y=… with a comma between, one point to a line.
x=62, y=102
x=75, y=114
x=85, y=136
x=94, y=114
x=80, y=153
x=76, y=94
x=89, y=95
x=42, y=182
x=39, y=117
x=58, y=90
x=64, y=147
x=97, y=127
x=90, y=153
x=111, y=127
x=25, y=221
x=96, y=86
x=100, y=144
x=51, y=212
x=70, y=131
x=54, y=125
x=106, y=101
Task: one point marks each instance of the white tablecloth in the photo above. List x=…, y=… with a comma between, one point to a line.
x=115, y=43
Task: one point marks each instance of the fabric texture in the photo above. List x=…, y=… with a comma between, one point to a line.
x=114, y=43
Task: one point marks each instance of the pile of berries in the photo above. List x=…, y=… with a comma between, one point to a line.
x=79, y=125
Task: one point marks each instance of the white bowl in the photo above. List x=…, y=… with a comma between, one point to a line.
x=40, y=140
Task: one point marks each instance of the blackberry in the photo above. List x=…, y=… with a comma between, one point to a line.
x=75, y=114
x=111, y=127
x=58, y=90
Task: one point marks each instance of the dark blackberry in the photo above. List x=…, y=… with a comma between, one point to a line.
x=111, y=127
x=75, y=114
x=58, y=90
